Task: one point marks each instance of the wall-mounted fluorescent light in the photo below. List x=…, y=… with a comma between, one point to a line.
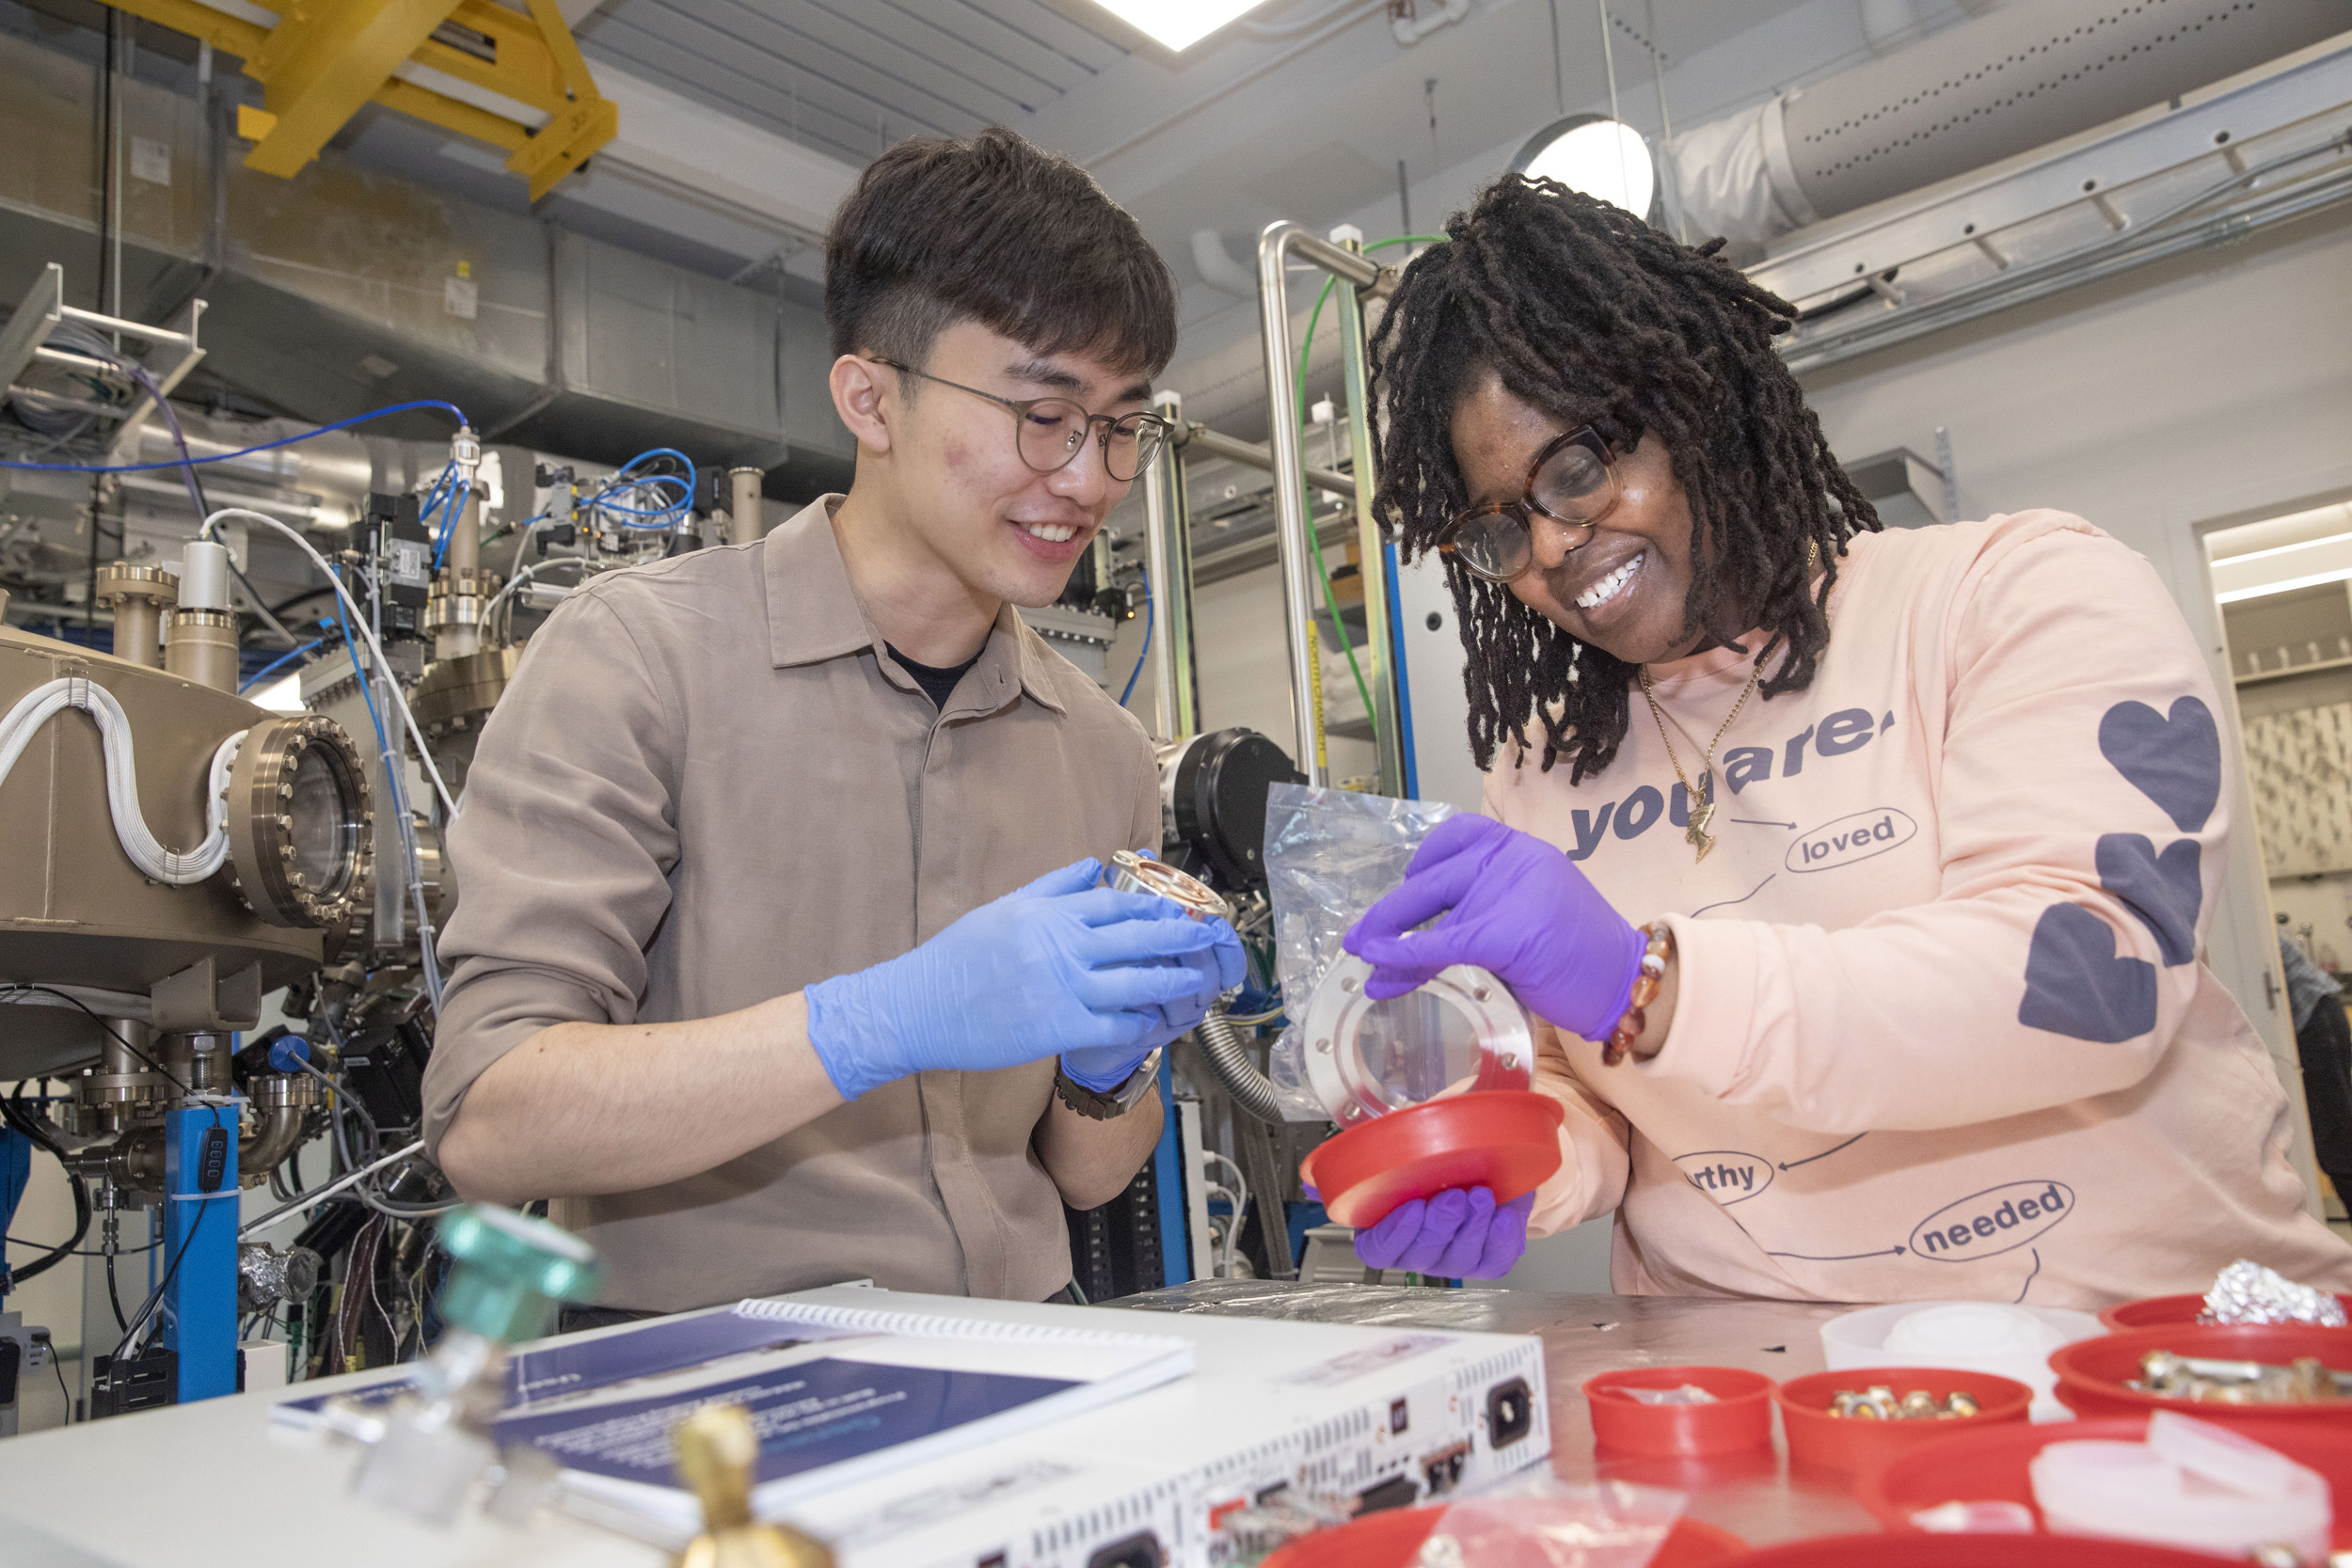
x=2280, y=550
x=1177, y=24
x=2285, y=585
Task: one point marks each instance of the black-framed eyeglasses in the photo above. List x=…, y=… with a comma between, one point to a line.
x=1048, y=432
x=1571, y=481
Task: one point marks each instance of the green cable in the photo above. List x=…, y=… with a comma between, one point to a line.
x=1315, y=542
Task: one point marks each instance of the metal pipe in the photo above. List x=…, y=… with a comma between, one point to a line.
x=1233, y=449
x=1381, y=677
x=747, y=519
x=1221, y=1047
x=278, y=1133
x=127, y=1045
x=1275, y=246
x=1168, y=556
x=464, y=541
x=201, y=645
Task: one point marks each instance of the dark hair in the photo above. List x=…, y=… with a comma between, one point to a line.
x=999, y=231
x=1589, y=313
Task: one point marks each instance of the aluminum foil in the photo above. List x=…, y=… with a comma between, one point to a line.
x=2246, y=1292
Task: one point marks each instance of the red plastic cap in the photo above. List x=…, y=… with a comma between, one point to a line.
x=1970, y=1551
x=1740, y=1416
x=1989, y=1465
x=1394, y=1540
x=2091, y=1374
x=1506, y=1140
x=1841, y=1443
x=2156, y=1311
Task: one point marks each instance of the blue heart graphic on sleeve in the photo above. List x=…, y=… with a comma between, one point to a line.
x=2076, y=986
x=2166, y=891
x=2176, y=761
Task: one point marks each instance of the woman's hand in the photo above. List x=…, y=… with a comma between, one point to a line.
x=1515, y=907
x=1461, y=1233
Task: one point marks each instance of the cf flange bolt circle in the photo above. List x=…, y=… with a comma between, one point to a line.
x=1132, y=873
x=301, y=840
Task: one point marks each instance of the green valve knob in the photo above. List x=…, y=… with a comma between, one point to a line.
x=511, y=1271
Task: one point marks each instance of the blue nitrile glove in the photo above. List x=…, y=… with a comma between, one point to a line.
x=1058, y=965
x=1215, y=969
x=1515, y=907
x=1461, y=1233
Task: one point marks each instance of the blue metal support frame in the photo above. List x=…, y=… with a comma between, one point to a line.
x=1403, y=687
x=198, y=1312
x=1167, y=1176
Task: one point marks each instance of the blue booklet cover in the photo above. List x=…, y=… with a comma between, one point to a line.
x=807, y=1416
x=566, y=1367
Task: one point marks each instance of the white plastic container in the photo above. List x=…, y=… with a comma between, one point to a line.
x=1967, y=1335
x=2132, y=1492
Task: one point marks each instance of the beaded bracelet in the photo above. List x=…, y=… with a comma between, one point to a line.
x=1645, y=984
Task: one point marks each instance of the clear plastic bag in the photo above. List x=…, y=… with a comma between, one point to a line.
x=1612, y=1524
x=1330, y=854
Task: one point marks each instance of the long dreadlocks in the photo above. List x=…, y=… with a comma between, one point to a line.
x=1586, y=311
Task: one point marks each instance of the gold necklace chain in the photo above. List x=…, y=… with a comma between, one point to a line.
x=1701, y=794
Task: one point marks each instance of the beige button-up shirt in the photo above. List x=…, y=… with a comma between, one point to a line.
x=707, y=786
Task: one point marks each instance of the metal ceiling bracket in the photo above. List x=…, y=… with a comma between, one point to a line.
x=37, y=317
x=2258, y=149
x=324, y=59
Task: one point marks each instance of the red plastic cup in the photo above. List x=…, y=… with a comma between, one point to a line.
x=1989, y=1465
x=2157, y=1311
x=1506, y=1140
x=1840, y=1443
x=2092, y=1373
x=1740, y=1418
x=1394, y=1540
x=1970, y=1551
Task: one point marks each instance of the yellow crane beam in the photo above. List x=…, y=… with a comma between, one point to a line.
x=326, y=57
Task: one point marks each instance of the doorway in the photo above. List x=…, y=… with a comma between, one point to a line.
x=2283, y=588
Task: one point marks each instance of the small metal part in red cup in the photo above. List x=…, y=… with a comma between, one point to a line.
x=1847, y=1443
x=1738, y=1416
x=1982, y=1464
x=1394, y=1540
x=1507, y=1140
x=2157, y=1311
x=2091, y=1374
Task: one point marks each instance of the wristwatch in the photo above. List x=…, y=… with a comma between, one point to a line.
x=1105, y=1105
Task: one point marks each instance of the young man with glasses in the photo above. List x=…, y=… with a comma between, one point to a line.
x=780, y=960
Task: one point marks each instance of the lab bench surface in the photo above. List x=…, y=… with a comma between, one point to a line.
x=209, y=1486
x=1754, y=1496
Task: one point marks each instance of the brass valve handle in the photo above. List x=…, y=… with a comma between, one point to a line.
x=718, y=1452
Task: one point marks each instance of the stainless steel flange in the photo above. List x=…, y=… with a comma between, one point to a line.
x=1462, y=1031
x=1130, y=872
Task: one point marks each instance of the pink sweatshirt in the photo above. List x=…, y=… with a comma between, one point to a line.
x=1944, y=1029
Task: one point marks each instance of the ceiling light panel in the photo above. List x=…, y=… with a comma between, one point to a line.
x=1177, y=24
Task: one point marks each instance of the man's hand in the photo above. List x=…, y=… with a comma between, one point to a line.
x=1214, y=971
x=1060, y=965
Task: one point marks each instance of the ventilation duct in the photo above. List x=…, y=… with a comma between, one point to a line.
x=344, y=289
x=2016, y=79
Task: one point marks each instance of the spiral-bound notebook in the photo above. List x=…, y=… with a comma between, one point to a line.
x=836, y=1393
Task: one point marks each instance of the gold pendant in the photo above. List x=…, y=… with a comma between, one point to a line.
x=1702, y=812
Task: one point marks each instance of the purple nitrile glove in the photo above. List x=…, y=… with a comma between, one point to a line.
x=1515, y=907
x=1461, y=1233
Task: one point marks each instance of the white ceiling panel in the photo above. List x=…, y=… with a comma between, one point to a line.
x=849, y=77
